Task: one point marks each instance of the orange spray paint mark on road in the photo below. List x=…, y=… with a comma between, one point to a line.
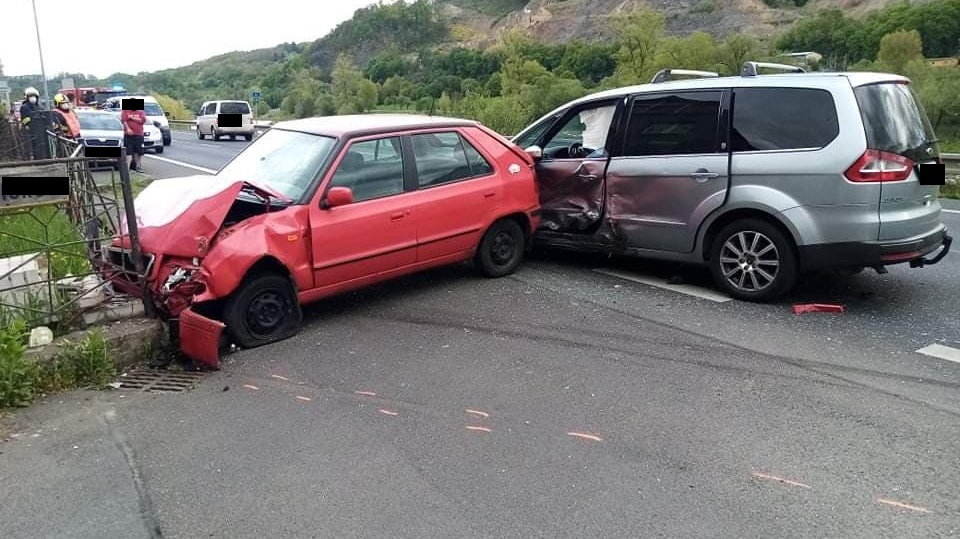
x=248, y=386
x=585, y=436
x=759, y=475
x=367, y=393
x=388, y=412
x=278, y=377
x=480, y=429
x=477, y=413
x=903, y=505
x=307, y=399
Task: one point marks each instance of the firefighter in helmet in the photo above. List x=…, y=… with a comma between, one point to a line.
x=32, y=123
x=31, y=104
x=65, y=121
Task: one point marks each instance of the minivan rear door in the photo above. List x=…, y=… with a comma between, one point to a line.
x=899, y=138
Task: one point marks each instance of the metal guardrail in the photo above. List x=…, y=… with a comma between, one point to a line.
x=190, y=125
x=952, y=162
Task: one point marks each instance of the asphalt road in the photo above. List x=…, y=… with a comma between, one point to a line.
x=560, y=402
x=186, y=149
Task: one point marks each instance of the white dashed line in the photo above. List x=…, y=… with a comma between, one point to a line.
x=182, y=164
x=949, y=211
x=941, y=352
x=688, y=289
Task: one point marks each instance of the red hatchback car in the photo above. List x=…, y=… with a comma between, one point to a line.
x=320, y=206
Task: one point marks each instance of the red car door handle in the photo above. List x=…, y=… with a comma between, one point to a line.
x=490, y=194
x=397, y=216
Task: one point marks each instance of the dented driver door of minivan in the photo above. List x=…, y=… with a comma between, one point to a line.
x=671, y=171
x=571, y=171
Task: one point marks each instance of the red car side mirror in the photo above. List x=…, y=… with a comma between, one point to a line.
x=339, y=196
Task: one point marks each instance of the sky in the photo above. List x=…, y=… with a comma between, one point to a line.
x=90, y=40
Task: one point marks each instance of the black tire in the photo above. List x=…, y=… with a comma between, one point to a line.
x=233, y=137
x=758, y=282
x=200, y=134
x=264, y=309
x=168, y=141
x=249, y=137
x=158, y=149
x=213, y=133
x=501, y=249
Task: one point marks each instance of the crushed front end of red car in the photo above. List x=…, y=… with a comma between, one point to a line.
x=179, y=221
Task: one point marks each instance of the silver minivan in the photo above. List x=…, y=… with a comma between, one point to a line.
x=759, y=177
x=213, y=116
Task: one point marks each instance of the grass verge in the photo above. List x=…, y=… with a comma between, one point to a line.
x=85, y=363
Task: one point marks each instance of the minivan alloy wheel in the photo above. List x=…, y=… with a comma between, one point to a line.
x=750, y=261
x=754, y=260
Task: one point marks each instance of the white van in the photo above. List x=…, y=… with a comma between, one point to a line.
x=208, y=120
x=155, y=114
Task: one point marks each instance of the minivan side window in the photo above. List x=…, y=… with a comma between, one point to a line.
x=446, y=157
x=532, y=136
x=782, y=119
x=371, y=169
x=679, y=123
x=211, y=109
x=584, y=134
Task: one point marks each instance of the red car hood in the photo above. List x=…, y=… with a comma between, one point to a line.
x=180, y=216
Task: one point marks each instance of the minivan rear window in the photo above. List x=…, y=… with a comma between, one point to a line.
x=234, y=107
x=767, y=119
x=895, y=121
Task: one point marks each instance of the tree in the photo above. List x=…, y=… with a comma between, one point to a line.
x=736, y=50
x=637, y=34
x=352, y=92
x=175, y=107
x=696, y=51
x=938, y=89
x=897, y=49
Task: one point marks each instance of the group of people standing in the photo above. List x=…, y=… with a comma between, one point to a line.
x=65, y=123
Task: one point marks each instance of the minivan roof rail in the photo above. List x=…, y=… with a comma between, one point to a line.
x=665, y=74
x=750, y=68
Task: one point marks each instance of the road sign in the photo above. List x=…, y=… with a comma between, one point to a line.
x=67, y=84
x=256, y=96
x=4, y=86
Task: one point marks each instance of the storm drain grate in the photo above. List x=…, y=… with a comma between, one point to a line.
x=170, y=382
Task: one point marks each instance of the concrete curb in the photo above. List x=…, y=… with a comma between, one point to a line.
x=131, y=341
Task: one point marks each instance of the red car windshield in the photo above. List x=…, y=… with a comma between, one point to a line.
x=283, y=161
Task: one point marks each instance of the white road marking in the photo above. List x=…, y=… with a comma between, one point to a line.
x=941, y=352
x=690, y=290
x=949, y=211
x=182, y=164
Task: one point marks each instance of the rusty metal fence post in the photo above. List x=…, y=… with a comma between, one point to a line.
x=135, y=253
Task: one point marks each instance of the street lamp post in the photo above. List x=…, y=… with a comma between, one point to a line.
x=43, y=71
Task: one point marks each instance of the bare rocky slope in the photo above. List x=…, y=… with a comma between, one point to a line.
x=561, y=20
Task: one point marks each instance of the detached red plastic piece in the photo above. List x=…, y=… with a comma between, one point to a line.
x=200, y=338
x=801, y=308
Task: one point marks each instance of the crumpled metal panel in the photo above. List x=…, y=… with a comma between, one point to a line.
x=571, y=193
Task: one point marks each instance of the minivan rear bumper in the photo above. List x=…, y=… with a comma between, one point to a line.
x=850, y=255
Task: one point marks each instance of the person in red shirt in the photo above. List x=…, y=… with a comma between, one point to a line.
x=133, y=121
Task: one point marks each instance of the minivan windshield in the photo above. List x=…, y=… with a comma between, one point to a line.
x=284, y=161
x=234, y=107
x=895, y=121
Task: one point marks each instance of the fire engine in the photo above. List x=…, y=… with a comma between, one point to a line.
x=92, y=96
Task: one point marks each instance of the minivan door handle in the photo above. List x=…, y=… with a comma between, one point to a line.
x=398, y=215
x=702, y=175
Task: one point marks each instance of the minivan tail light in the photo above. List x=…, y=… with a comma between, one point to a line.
x=879, y=166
